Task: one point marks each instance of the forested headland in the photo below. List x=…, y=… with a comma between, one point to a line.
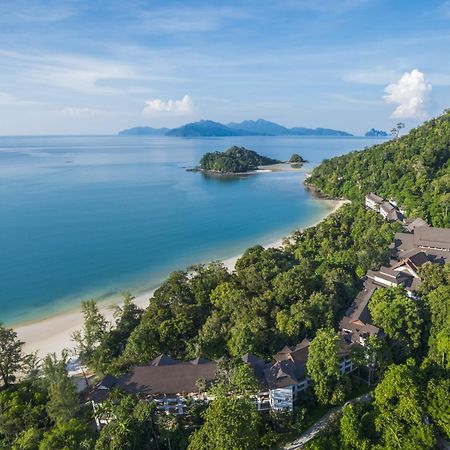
x=274, y=297
x=414, y=170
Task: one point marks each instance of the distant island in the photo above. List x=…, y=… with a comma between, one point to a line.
x=296, y=159
x=144, y=131
x=234, y=160
x=376, y=133
x=209, y=128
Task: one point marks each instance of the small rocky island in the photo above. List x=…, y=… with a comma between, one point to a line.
x=235, y=160
x=296, y=160
x=376, y=133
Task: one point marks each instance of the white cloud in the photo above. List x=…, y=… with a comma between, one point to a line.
x=78, y=112
x=410, y=93
x=182, y=107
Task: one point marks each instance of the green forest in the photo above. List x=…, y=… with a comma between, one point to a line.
x=414, y=170
x=275, y=297
x=234, y=160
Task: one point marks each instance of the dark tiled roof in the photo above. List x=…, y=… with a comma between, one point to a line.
x=198, y=361
x=374, y=197
x=432, y=237
x=284, y=373
x=394, y=214
x=180, y=377
x=386, y=207
x=257, y=364
x=416, y=223
x=108, y=381
x=163, y=360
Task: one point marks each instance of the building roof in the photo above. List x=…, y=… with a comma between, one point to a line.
x=414, y=223
x=413, y=261
x=432, y=237
x=386, y=207
x=284, y=373
x=358, y=310
x=257, y=364
x=163, y=360
x=169, y=378
x=394, y=214
x=374, y=197
x=404, y=241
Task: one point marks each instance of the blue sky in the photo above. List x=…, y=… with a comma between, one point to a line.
x=76, y=66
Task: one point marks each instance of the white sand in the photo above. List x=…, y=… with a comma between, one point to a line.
x=53, y=334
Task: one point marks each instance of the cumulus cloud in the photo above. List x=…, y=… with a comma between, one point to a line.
x=182, y=107
x=410, y=93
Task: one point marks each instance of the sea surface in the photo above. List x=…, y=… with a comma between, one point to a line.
x=92, y=216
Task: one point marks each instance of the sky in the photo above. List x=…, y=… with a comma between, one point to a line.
x=99, y=66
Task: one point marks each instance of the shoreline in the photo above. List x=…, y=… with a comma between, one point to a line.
x=52, y=334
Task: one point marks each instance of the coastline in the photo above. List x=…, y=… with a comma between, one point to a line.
x=52, y=334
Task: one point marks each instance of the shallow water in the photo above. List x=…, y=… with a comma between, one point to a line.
x=90, y=216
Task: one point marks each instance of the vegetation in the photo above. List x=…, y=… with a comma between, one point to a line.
x=275, y=297
x=323, y=367
x=12, y=358
x=296, y=159
x=414, y=170
x=234, y=160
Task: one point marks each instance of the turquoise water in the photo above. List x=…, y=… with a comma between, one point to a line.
x=85, y=217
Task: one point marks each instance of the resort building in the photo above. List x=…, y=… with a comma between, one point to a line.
x=387, y=209
x=174, y=385
x=373, y=201
x=420, y=244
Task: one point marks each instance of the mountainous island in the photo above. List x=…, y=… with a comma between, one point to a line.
x=234, y=160
x=209, y=128
x=376, y=133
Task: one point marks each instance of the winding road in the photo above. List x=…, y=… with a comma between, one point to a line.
x=322, y=423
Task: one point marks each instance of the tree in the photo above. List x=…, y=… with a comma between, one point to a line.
x=231, y=423
x=438, y=403
x=12, y=358
x=63, y=402
x=398, y=315
x=400, y=417
x=243, y=380
x=323, y=364
x=21, y=409
x=94, y=329
x=133, y=425
x=71, y=435
x=438, y=302
x=127, y=317
x=356, y=427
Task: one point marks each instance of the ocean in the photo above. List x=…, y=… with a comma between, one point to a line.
x=93, y=216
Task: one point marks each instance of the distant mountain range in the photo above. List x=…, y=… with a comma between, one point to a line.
x=206, y=128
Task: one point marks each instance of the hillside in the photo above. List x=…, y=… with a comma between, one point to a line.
x=268, y=128
x=234, y=160
x=260, y=126
x=414, y=170
x=204, y=128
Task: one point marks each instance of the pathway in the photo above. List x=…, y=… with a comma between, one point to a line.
x=322, y=423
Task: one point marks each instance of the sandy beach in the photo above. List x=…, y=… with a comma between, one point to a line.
x=53, y=334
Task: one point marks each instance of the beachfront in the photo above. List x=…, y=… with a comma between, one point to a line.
x=53, y=334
